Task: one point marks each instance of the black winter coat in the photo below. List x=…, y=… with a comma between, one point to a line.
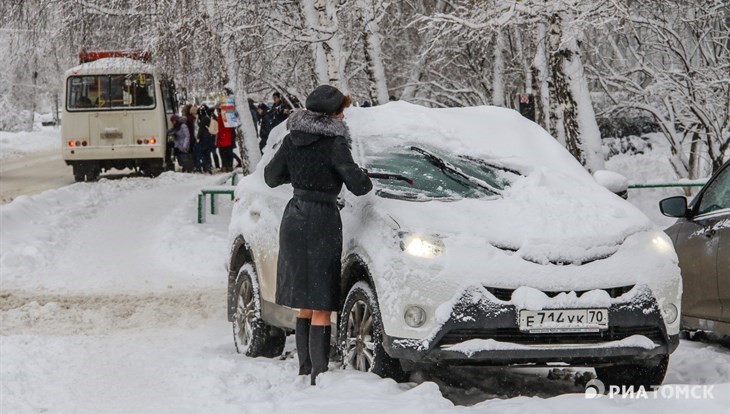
x=265, y=129
x=316, y=159
x=206, y=139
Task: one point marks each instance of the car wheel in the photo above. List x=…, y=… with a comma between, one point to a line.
x=648, y=374
x=360, y=335
x=251, y=335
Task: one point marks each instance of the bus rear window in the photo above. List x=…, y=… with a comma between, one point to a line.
x=110, y=92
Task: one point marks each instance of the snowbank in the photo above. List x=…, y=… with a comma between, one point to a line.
x=16, y=144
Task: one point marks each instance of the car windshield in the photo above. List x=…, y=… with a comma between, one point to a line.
x=436, y=175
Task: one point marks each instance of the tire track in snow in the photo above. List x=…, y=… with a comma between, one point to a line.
x=24, y=313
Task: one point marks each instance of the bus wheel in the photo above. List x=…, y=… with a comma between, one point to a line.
x=79, y=173
x=92, y=173
x=153, y=169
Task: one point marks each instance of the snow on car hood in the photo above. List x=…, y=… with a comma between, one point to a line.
x=555, y=213
x=543, y=218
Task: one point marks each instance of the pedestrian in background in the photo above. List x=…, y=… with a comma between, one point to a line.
x=279, y=111
x=205, y=141
x=265, y=125
x=225, y=143
x=181, y=142
x=189, y=111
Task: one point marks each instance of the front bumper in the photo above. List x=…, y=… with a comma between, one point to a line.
x=476, y=317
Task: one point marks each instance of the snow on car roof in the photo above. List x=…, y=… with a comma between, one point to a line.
x=111, y=65
x=487, y=132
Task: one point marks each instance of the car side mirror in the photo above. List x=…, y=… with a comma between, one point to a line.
x=674, y=207
x=613, y=181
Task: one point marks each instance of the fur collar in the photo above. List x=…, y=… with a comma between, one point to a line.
x=317, y=123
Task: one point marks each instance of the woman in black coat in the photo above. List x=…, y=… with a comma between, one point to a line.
x=315, y=158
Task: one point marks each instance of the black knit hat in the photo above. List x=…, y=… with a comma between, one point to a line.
x=325, y=99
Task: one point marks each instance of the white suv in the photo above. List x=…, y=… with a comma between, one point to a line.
x=502, y=250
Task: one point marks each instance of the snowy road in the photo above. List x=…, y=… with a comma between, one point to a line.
x=112, y=301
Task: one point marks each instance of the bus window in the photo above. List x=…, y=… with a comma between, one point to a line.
x=168, y=97
x=85, y=92
x=109, y=92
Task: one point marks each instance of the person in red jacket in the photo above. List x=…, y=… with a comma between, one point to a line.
x=225, y=144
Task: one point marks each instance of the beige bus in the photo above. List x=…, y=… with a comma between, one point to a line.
x=116, y=114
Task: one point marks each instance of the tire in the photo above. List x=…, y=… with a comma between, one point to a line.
x=251, y=335
x=360, y=335
x=85, y=172
x=647, y=374
x=153, y=169
x=79, y=175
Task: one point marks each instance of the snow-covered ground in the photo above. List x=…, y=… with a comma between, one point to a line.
x=112, y=300
x=16, y=144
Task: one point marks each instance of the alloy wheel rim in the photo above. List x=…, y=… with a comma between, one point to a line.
x=245, y=313
x=359, y=344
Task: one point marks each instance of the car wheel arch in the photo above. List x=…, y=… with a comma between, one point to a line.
x=354, y=269
x=240, y=255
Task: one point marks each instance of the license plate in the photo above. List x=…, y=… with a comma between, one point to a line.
x=564, y=320
x=112, y=135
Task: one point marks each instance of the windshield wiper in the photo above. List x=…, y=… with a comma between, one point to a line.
x=389, y=176
x=446, y=167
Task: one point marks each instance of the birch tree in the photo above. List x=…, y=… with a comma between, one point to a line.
x=672, y=62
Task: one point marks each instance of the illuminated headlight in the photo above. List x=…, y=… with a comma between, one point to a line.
x=662, y=243
x=422, y=246
x=670, y=313
x=415, y=316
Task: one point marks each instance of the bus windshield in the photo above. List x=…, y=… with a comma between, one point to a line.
x=110, y=92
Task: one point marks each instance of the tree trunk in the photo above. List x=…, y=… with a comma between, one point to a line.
x=311, y=19
x=333, y=47
x=498, y=69
x=582, y=137
x=540, y=78
x=373, y=53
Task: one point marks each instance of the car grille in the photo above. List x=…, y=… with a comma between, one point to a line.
x=514, y=335
x=506, y=294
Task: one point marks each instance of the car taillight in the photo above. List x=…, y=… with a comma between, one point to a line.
x=153, y=141
x=146, y=141
x=71, y=144
x=139, y=142
x=84, y=143
x=78, y=143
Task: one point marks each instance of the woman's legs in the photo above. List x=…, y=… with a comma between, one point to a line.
x=321, y=318
x=313, y=341
x=319, y=342
x=304, y=322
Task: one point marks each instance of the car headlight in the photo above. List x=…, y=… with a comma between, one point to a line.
x=422, y=246
x=662, y=243
x=414, y=316
x=670, y=313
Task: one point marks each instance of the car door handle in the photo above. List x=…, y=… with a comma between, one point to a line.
x=710, y=234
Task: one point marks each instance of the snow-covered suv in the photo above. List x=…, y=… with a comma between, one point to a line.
x=502, y=251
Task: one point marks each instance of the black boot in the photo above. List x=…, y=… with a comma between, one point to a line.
x=319, y=349
x=302, y=340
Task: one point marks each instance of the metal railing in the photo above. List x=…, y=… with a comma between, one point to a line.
x=667, y=185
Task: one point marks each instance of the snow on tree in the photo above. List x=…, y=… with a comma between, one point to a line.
x=671, y=60
x=665, y=58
